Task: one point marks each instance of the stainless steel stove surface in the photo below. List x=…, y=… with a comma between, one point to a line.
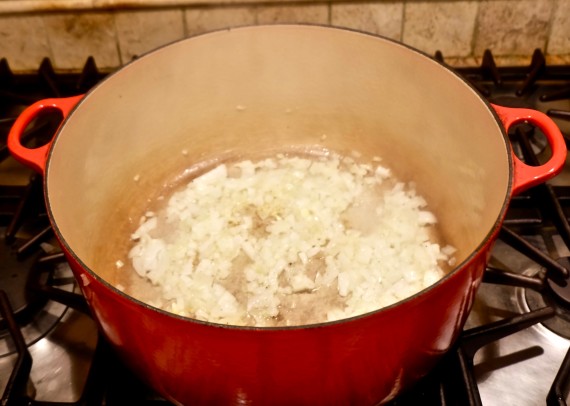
x=513, y=350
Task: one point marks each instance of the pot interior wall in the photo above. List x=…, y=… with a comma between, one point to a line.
x=254, y=90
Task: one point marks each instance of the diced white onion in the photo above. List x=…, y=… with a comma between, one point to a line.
x=289, y=240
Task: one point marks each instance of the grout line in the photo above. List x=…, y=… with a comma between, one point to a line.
x=555, y=6
x=117, y=42
x=48, y=39
x=184, y=22
x=475, y=35
x=403, y=21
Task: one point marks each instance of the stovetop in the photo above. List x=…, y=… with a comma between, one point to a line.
x=514, y=349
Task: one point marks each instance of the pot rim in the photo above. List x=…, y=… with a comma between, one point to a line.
x=488, y=240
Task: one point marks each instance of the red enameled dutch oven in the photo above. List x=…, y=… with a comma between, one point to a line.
x=253, y=91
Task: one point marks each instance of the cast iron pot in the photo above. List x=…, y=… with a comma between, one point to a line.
x=253, y=91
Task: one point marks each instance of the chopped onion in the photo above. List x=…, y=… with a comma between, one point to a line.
x=289, y=240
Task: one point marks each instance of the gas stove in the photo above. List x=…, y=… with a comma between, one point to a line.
x=514, y=349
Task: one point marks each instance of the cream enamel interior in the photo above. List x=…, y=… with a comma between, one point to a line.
x=245, y=91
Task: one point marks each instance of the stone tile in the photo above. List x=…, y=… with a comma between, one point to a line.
x=462, y=62
x=74, y=37
x=500, y=60
x=204, y=19
x=559, y=41
x=314, y=13
x=36, y=6
x=140, y=4
x=378, y=18
x=512, y=60
x=558, y=59
x=23, y=41
x=445, y=26
x=141, y=31
x=513, y=27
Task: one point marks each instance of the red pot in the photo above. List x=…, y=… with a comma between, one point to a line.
x=260, y=89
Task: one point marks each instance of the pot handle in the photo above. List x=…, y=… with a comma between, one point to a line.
x=526, y=176
x=36, y=158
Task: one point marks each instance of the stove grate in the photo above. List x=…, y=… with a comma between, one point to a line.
x=453, y=381
x=18, y=380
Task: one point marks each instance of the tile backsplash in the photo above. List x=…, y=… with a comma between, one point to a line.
x=116, y=31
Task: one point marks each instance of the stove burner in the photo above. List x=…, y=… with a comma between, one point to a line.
x=24, y=220
x=553, y=293
x=560, y=291
x=14, y=279
x=560, y=324
x=37, y=314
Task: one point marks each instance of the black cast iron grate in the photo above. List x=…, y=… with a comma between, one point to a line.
x=452, y=381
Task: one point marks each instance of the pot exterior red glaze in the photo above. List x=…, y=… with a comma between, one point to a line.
x=252, y=92
x=362, y=361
